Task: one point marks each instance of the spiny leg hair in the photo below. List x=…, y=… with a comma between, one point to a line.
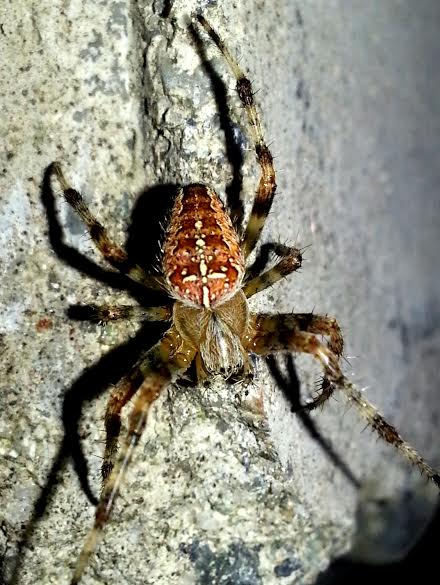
x=283, y=333
x=267, y=185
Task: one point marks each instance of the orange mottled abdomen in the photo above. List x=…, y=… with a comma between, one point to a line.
x=202, y=261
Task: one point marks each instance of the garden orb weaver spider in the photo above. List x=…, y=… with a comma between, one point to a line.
x=204, y=273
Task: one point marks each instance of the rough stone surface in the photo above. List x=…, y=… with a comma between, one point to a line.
x=218, y=492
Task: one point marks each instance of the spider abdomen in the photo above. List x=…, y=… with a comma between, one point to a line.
x=203, y=263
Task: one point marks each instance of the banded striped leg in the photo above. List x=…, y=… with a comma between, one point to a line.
x=322, y=325
x=290, y=260
x=112, y=253
x=267, y=185
x=282, y=333
x=161, y=365
x=108, y=313
x=122, y=393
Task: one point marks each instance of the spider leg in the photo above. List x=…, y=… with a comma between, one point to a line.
x=317, y=325
x=325, y=391
x=322, y=325
x=282, y=333
x=103, y=314
x=112, y=253
x=277, y=333
x=290, y=260
x=267, y=185
x=122, y=393
x=161, y=365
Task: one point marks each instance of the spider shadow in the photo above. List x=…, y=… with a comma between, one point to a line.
x=234, y=140
x=289, y=384
x=143, y=248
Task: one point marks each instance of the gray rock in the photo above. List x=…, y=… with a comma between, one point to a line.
x=227, y=486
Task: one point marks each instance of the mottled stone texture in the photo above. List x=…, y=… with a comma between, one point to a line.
x=218, y=492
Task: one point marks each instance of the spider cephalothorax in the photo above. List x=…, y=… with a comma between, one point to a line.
x=204, y=272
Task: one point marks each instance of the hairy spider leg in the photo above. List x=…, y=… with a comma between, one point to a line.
x=325, y=390
x=290, y=260
x=282, y=333
x=267, y=185
x=128, y=385
x=106, y=313
x=124, y=391
x=112, y=253
x=162, y=364
x=329, y=327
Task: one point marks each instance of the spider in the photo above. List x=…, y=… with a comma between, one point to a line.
x=204, y=272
